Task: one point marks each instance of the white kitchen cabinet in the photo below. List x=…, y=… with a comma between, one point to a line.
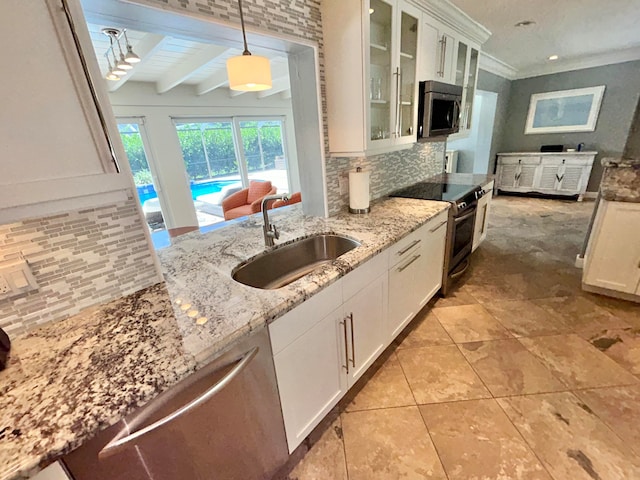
x=366, y=314
x=482, y=217
x=415, y=273
x=454, y=59
x=310, y=358
x=437, y=44
x=322, y=347
x=311, y=374
x=56, y=148
x=613, y=255
x=55, y=471
x=376, y=110
x=564, y=173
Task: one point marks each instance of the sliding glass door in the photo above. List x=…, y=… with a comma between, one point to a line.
x=209, y=153
x=264, y=152
x=134, y=138
x=221, y=156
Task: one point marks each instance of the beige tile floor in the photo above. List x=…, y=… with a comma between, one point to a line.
x=516, y=375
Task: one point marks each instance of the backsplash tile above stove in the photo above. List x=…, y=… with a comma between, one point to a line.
x=79, y=259
x=389, y=171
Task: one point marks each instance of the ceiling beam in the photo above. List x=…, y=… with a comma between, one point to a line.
x=191, y=66
x=236, y=93
x=217, y=80
x=145, y=48
x=279, y=85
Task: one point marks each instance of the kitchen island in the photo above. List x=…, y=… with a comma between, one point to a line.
x=69, y=380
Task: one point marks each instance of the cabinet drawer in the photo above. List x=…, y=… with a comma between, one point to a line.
x=293, y=324
x=356, y=280
x=402, y=249
x=518, y=160
x=566, y=160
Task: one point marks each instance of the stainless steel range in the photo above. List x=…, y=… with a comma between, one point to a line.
x=462, y=215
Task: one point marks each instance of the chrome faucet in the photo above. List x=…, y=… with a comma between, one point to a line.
x=270, y=231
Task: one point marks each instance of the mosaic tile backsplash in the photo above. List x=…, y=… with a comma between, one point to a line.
x=79, y=259
x=389, y=172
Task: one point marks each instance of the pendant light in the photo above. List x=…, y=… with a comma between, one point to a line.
x=246, y=72
x=130, y=56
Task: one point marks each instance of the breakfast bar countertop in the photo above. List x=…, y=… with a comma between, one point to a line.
x=68, y=380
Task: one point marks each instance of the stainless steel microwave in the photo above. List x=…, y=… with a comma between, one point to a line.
x=438, y=109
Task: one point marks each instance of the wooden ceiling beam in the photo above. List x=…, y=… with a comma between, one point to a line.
x=185, y=69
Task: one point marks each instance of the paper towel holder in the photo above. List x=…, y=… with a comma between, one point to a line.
x=359, y=210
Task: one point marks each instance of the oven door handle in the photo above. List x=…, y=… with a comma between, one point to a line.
x=466, y=215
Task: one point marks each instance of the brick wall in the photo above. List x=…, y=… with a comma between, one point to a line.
x=79, y=259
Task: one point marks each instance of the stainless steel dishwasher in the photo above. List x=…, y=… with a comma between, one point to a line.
x=224, y=422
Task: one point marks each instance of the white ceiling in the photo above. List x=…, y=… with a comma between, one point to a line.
x=573, y=29
x=169, y=62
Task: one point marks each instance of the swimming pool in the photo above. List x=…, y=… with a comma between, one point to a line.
x=147, y=192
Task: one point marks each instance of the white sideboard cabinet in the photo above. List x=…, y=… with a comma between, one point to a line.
x=563, y=173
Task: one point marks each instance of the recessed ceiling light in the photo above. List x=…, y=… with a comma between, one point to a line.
x=371, y=10
x=553, y=57
x=525, y=23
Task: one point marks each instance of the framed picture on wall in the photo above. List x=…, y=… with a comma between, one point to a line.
x=564, y=111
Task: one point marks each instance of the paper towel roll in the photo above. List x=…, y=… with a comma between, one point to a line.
x=359, y=191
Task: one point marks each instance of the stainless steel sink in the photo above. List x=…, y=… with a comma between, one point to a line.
x=280, y=267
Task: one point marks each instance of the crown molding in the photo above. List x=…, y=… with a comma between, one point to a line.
x=491, y=64
x=579, y=63
x=453, y=17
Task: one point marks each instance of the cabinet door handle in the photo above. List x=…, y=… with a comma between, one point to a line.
x=346, y=347
x=443, y=52
x=484, y=218
x=438, y=227
x=398, y=75
x=400, y=269
x=125, y=436
x=406, y=249
x=353, y=343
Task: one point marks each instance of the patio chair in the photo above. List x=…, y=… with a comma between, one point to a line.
x=246, y=201
x=294, y=198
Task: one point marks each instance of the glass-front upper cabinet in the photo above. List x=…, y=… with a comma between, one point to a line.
x=471, y=89
x=461, y=65
x=370, y=75
x=393, y=52
x=405, y=126
x=380, y=65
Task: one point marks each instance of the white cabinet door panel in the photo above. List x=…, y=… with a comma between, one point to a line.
x=613, y=260
x=311, y=376
x=527, y=176
x=507, y=176
x=549, y=175
x=366, y=314
x=571, y=178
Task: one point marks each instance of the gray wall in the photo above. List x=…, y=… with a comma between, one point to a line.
x=632, y=149
x=618, y=106
x=493, y=83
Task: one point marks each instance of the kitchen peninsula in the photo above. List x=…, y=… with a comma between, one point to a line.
x=66, y=382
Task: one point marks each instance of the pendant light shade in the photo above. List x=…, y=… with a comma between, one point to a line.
x=249, y=73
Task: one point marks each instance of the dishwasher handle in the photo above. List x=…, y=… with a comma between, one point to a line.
x=119, y=442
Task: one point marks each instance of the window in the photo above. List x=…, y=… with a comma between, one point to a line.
x=221, y=156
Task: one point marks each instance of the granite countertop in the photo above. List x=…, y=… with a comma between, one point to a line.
x=621, y=180
x=69, y=380
x=463, y=178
